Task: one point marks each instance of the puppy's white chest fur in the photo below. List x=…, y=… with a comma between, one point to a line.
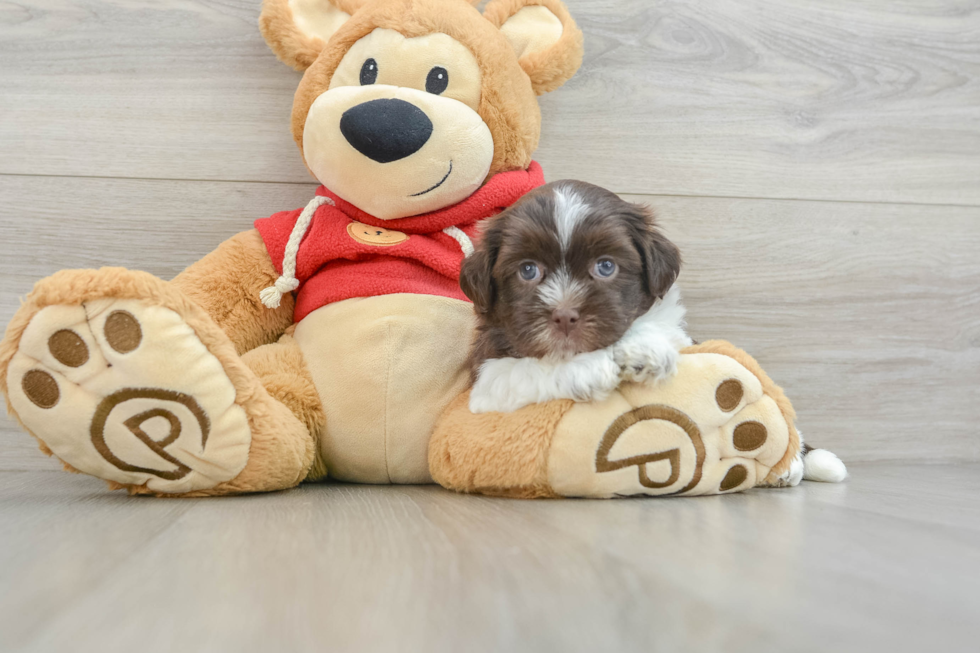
x=648, y=350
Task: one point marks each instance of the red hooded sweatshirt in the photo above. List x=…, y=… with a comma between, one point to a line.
x=347, y=253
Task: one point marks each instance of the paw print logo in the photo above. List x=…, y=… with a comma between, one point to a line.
x=713, y=447
x=170, y=408
x=671, y=455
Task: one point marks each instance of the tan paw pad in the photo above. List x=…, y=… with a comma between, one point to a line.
x=41, y=388
x=65, y=345
x=729, y=476
x=749, y=436
x=728, y=394
x=68, y=348
x=758, y=431
x=122, y=331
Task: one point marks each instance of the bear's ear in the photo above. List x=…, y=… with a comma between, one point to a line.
x=544, y=36
x=296, y=30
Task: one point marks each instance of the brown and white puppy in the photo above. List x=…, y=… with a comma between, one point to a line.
x=574, y=292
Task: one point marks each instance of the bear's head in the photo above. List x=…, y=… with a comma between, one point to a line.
x=409, y=106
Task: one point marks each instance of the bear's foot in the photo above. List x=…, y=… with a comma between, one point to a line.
x=720, y=425
x=119, y=384
x=711, y=429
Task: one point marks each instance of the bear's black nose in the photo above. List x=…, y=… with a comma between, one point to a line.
x=386, y=130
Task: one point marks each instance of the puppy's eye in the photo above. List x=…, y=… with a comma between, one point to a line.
x=437, y=81
x=369, y=72
x=604, y=268
x=529, y=271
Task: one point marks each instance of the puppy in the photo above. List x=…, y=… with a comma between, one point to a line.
x=574, y=292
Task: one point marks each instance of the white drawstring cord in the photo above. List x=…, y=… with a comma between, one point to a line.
x=460, y=237
x=287, y=282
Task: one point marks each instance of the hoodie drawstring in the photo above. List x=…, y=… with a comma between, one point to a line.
x=287, y=281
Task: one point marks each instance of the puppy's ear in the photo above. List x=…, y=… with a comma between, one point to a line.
x=661, y=258
x=476, y=276
x=296, y=30
x=544, y=36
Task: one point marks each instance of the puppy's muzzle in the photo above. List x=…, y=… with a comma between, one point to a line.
x=386, y=130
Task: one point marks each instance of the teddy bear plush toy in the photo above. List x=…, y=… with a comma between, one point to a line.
x=331, y=340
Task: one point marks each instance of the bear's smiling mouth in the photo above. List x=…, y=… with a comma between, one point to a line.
x=437, y=185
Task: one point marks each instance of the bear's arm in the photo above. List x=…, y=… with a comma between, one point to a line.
x=227, y=282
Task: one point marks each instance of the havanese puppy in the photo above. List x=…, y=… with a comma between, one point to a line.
x=574, y=293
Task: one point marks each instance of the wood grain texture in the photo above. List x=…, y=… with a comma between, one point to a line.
x=872, y=101
x=886, y=561
x=868, y=315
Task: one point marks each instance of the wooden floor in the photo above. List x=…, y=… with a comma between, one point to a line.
x=888, y=561
x=817, y=162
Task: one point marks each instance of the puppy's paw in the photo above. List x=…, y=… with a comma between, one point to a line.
x=639, y=362
x=587, y=377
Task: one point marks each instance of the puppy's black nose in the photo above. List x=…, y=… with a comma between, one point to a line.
x=386, y=130
x=565, y=319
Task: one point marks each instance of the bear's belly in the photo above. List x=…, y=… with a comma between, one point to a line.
x=385, y=368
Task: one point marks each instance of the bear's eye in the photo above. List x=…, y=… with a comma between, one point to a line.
x=437, y=81
x=369, y=72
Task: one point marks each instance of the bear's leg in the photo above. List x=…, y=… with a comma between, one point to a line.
x=720, y=425
x=284, y=374
x=501, y=454
x=124, y=377
x=226, y=284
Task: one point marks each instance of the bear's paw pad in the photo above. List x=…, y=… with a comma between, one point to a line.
x=126, y=391
x=709, y=430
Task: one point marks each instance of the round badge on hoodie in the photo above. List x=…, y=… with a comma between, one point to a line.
x=376, y=236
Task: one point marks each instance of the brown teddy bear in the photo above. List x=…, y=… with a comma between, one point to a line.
x=330, y=339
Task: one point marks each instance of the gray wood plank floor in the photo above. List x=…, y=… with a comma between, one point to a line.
x=886, y=562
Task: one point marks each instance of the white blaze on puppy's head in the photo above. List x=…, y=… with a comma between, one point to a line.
x=570, y=210
x=560, y=290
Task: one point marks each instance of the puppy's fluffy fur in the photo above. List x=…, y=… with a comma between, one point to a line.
x=574, y=289
x=649, y=349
